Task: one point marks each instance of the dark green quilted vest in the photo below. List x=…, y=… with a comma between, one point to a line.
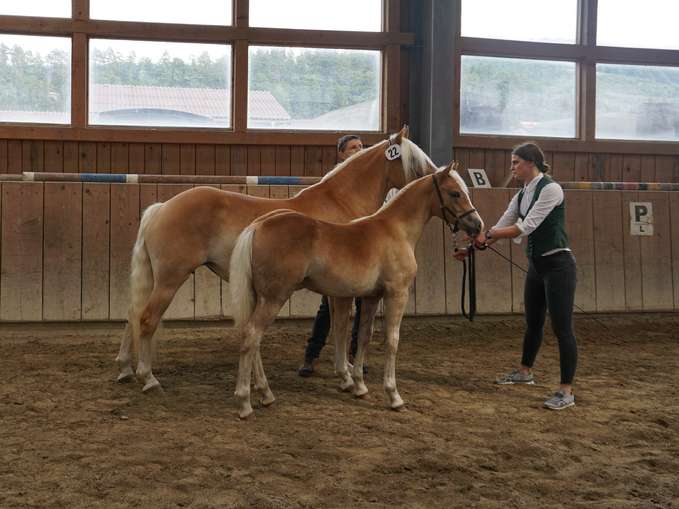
x=551, y=234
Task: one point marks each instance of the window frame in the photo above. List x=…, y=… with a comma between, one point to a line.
x=586, y=55
x=80, y=28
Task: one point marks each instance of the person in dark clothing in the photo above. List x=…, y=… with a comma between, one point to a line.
x=346, y=146
x=537, y=212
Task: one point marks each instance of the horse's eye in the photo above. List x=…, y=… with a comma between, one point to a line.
x=454, y=194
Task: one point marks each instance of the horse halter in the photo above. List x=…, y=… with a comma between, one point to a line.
x=454, y=226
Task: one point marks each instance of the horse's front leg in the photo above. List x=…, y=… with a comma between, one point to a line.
x=340, y=311
x=394, y=307
x=365, y=333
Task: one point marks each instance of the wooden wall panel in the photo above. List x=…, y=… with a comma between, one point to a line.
x=153, y=158
x=674, y=233
x=96, y=245
x=632, y=257
x=581, y=235
x=297, y=161
x=21, y=257
x=239, y=160
x=223, y=160
x=15, y=163
x=631, y=169
x=3, y=156
x=581, y=170
x=656, y=256
x=87, y=157
x=494, y=275
x=71, y=157
x=282, y=161
x=171, y=159
x=647, y=169
x=205, y=160
x=62, y=250
x=54, y=156
x=313, y=161
x=430, y=287
x=495, y=167
x=187, y=159
x=182, y=306
x=124, y=226
x=608, y=250
x=33, y=154
x=136, y=158
x=666, y=169
x=563, y=166
x=120, y=157
x=254, y=162
x=104, y=158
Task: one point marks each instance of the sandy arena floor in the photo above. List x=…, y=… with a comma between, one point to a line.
x=70, y=437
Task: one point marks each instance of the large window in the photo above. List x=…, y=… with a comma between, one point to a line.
x=517, y=97
x=637, y=102
x=46, y=8
x=521, y=20
x=35, y=79
x=355, y=15
x=634, y=24
x=142, y=83
x=197, y=12
x=314, y=89
x=545, y=69
x=208, y=70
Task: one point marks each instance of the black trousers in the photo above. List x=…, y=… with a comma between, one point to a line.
x=550, y=285
x=319, y=333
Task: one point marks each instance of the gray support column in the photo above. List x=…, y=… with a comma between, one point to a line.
x=432, y=76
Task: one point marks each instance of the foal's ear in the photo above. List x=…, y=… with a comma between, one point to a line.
x=405, y=131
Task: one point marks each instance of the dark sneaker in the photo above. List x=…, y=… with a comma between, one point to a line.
x=516, y=377
x=307, y=369
x=560, y=401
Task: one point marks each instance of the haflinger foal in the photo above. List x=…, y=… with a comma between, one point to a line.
x=200, y=227
x=372, y=257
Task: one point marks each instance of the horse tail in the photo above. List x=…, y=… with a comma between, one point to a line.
x=240, y=278
x=141, y=274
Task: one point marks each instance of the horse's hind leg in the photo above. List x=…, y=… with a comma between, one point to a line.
x=340, y=309
x=394, y=306
x=263, y=315
x=365, y=332
x=124, y=358
x=261, y=383
x=148, y=323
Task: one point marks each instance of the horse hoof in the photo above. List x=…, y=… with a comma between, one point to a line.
x=152, y=386
x=125, y=377
x=347, y=386
x=360, y=391
x=267, y=400
x=397, y=405
x=245, y=412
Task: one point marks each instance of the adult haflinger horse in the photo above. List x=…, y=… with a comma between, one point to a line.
x=200, y=227
x=371, y=257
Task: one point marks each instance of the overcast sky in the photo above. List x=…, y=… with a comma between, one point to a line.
x=620, y=21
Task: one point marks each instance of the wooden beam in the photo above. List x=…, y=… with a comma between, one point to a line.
x=568, y=145
x=203, y=33
x=157, y=135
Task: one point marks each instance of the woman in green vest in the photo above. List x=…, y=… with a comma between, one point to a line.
x=537, y=212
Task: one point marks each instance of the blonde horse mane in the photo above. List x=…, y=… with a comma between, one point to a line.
x=413, y=158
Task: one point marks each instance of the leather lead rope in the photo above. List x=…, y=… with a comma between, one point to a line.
x=469, y=276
